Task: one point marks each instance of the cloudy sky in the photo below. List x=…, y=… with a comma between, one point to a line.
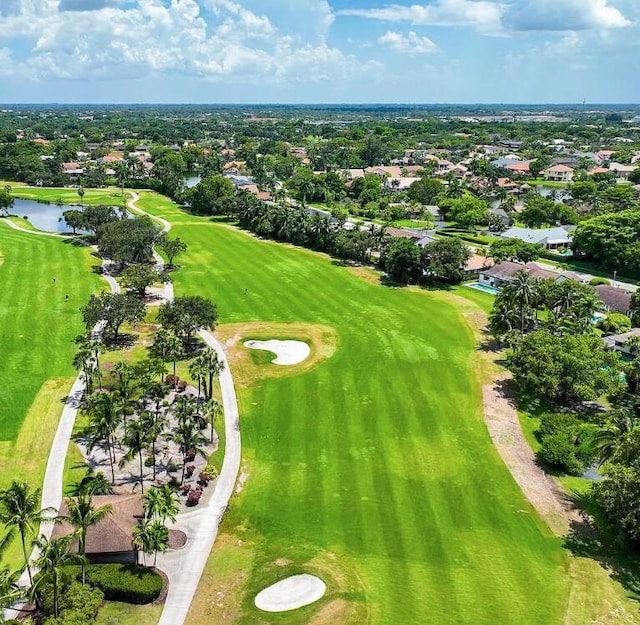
x=328, y=51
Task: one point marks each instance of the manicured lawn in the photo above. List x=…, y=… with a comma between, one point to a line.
x=37, y=326
x=374, y=468
x=109, y=195
x=115, y=613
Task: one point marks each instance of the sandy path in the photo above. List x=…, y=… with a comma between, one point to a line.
x=541, y=490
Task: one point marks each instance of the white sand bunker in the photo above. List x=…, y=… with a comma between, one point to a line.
x=291, y=593
x=287, y=352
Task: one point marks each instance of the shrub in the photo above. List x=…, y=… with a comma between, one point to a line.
x=172, y=467
x=148, y=462
x=596, y=280
x=172, y=380
x=615, y=323
x=194, y=497
x=189, y=469
x=190, y=455
x=182, y=386
x=78, y=603
x=130, y=583
x=559, y=452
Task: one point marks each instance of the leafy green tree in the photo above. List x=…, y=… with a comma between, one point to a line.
x=211, y=196
x=74, y=219
x=114, y=309
x=6, y=201
x=20, y=511
x=564, y=370
x=401, y=260
x=514, y=250
x=446, y=259
x=425, y=190
x=83, y=515
x=138, y=277
x=619, y=498
x=172, y=248
x=538, y=211
x=186, y=315
x=128, y=240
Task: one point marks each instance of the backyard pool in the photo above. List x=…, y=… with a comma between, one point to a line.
x=483, y=287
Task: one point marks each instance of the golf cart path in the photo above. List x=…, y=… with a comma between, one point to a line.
x=184, y=567
x=41, y=233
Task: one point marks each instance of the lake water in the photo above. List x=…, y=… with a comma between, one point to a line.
x=192, y=181
x=44, y=216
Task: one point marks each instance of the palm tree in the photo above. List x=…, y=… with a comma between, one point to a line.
x=523, y=292
x=198, y=371
x=174, y=349
x=609, y=438
x=104, y=411
x=151, y=537
x=188, y=436
x=154, y=425
x=10, y=592
x=136, y=438
x=92, y=484
x=54, y=557
x=81, y=196
x=83, y=515
x=212, y=409
x=212, y=366
x=160, y=504
x=20, y=510
x=184, y=409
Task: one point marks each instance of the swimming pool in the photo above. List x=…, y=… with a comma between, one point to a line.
x=483, y=287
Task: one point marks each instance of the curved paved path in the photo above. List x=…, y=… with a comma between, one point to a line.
x=183, y=567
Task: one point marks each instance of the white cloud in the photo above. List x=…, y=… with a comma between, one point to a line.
x=145, y=37
x=566, y=15
x=483, y=15
x=411, y=44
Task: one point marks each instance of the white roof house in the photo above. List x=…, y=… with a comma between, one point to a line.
x=547, y=237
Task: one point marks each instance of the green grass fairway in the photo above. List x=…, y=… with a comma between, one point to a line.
x=375, y=466
x=63, y=195
x=37, y=323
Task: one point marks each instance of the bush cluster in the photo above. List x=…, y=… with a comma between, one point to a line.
x=129, y=583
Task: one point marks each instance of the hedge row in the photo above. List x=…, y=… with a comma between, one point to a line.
x=129, y=583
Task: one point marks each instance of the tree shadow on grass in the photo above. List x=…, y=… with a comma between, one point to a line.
x=591, y=537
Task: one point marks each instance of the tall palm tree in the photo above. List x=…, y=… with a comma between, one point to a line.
x=151, y=537
x=212, y=366
x=212, y=409
x=83, y=515
x=104, y=411
x=523, y=292
x=136, y=438
x=154, y=424
x=188, y=436
x=20, y=510
x=184, y=408
x=54, y=557
x=198, y=371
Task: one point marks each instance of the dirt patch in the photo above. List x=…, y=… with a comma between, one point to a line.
x=177, y=539
x=330, y=613
x=282, y=562
x=323, y=341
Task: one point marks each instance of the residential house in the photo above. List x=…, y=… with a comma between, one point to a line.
x=110, y=539
x=476, y=264
x=505, y=271
x=622, y=171
x=558, y=173
x=619, y=342
x=614, y=299
x=549, y=238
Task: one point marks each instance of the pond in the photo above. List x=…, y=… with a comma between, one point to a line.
x=43, y=216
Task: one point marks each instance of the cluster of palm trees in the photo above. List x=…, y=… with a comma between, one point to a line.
x=21, y=514
x=138, y=412
x=526, y=303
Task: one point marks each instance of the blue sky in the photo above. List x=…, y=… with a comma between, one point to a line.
x=325, y=51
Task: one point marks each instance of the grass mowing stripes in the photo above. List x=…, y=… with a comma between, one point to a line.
x=379, y=455
x=37, y=321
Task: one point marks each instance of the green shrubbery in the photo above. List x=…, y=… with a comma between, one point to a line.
x=596, y=280
x=79, y=604
x=566, y=443
x=125, y=582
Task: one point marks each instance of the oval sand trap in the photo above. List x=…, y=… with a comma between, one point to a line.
x=287, y=352
x=291, y=593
